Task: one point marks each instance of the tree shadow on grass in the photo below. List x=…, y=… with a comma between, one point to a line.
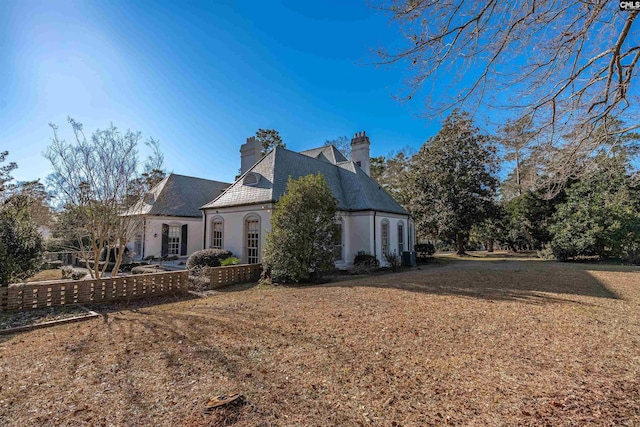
x=524, y=280
x=105, y=309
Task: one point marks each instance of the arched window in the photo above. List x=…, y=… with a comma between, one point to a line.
x=217, y=232
x=400, y=237
x=252, y=238
x=384, y=236
x=338, y=252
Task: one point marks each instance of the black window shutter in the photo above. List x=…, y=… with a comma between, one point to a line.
x=183, y=241
x=164, y=251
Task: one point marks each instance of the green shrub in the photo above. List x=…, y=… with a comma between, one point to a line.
x=230, y=261
x=426, y=248
x=301, y=243
x=78, y=274
x=364, y=259
x=54, y=244
x=69, y=272
x=207, y=258
x=66, y=271
x=546, y=254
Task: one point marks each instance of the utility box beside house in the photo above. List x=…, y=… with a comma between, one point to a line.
x=409, y=259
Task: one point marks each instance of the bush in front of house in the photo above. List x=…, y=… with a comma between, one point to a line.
x=426, y=248
x=230, y=261
x=66, y=271
x=393, y=260
x=69, y=272
x=365, y=260
x=424, y=251
x=207, y=258
x=303, y=228
x=546, y=254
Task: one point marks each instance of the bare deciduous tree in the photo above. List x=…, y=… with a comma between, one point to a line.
x=343, y=144
x=571, y=66
x=94, y=176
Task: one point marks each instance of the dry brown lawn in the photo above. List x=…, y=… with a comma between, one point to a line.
x=482, y=341
x=40, y=276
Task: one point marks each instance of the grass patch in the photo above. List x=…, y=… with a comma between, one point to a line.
x=461, y=343
x=41, y=276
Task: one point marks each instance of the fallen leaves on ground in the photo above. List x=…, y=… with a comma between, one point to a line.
x=473, y=342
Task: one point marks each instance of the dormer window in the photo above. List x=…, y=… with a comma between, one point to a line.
x=251, y=179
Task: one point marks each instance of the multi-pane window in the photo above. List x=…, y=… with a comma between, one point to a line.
x=337, y=243
x=384, y=237
x=174, y=239
x=400, y=238
x=137, y=245
x=252, y=240
x=216, y=234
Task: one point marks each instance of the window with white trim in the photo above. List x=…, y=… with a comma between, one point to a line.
x=384, y=237
x=175, y=232
x=337, y=242
x=400, y=238
x=252, y=239
x=217, y=233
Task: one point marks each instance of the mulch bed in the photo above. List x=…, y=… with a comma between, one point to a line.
x=12, y=320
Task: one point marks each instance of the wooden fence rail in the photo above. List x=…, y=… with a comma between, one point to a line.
x=221, y=276
x=29, y=296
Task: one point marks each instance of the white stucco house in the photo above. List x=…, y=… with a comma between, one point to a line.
x=168, y=221
x=370, y=219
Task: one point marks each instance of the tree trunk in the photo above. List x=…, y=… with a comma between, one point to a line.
x=518, y=173
x=490, y=245
x=119, y=256
x=460, y=244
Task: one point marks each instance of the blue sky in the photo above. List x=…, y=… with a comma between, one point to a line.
x=200, y=77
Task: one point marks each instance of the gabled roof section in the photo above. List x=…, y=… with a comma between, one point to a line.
x=178, y=195
x=353, y=189
x=328, y=153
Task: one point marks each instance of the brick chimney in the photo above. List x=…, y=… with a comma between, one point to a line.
x=249, y=154
x=360, y=150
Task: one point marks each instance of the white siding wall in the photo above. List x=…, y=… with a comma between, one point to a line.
x=358, y=228
x=357, y=235
x=234, y=231
x=153, y=234
x=393, y=220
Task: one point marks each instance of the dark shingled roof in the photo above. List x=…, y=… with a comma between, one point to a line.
x=353, y=189
x=328, y=153
x=178, y=195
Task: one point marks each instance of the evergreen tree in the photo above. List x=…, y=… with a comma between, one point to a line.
x=20, y=242
x=601, y=215
x=300, y=245
x=392, y=172
x=269, y=139
x=453, y=181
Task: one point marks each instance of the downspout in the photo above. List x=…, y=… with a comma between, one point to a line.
x=144, y=235
x=409, y=247
x=204, y=235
